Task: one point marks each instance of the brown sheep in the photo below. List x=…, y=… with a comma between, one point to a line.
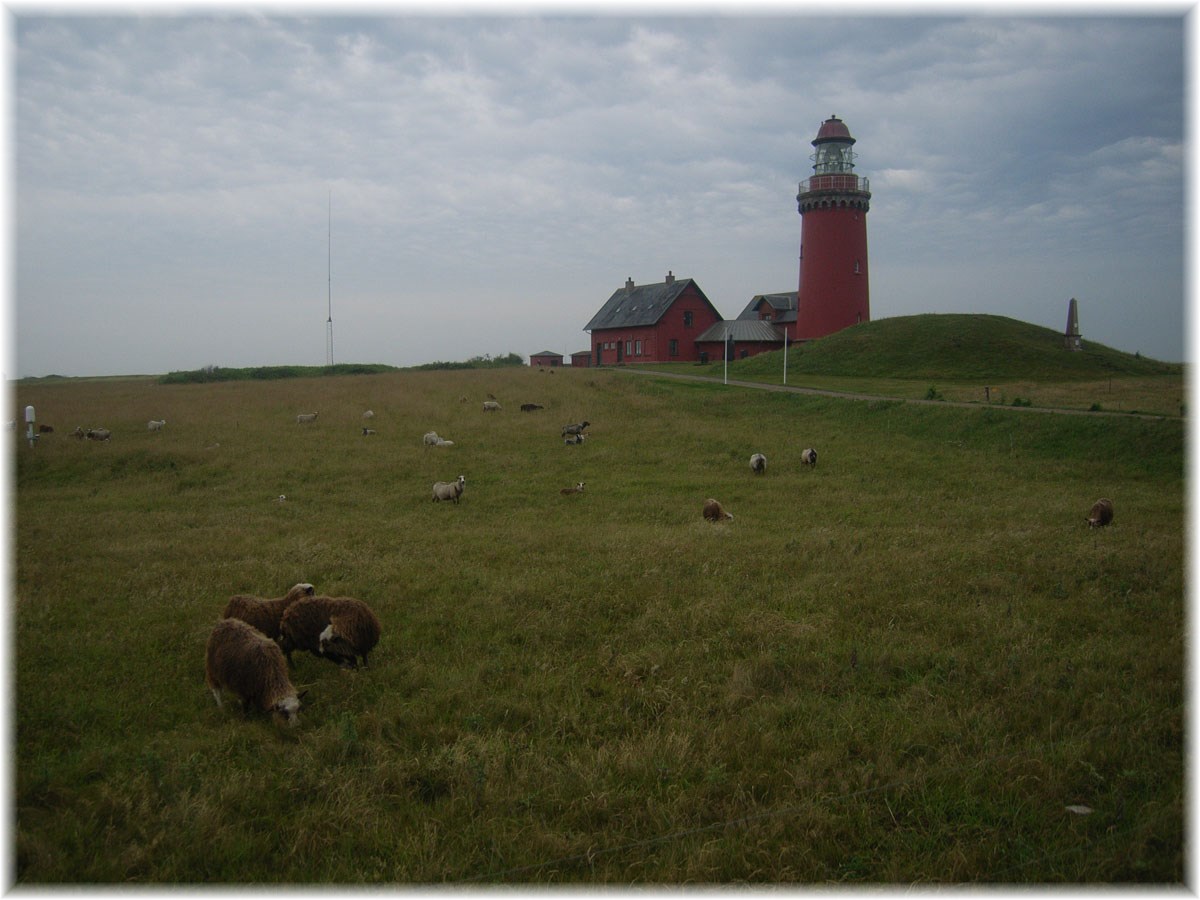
x=1101, y=513
x=577, y=489
x=715, y=512
x=242, y=660
x=336, y=628
x=265, y=614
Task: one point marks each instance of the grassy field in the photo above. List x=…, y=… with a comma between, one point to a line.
x=989, y=360
x=911, y=664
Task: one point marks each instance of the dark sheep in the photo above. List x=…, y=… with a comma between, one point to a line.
x=242, y=660
x=265, y=614
x=339, y=629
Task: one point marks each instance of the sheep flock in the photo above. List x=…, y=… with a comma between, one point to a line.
x=249, y=652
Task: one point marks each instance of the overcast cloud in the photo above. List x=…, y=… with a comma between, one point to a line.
x=495, y=179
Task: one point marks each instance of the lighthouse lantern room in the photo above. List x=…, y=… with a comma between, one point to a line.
x=833, y=204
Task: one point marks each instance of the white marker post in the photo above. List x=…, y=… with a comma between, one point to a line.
x=785, y=354
x=30, y=417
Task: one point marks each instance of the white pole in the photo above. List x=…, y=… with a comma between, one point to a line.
x=785, y=354
x=726, y=349
x=29, y=420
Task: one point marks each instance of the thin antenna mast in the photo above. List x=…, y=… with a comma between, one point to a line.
x=329, y=264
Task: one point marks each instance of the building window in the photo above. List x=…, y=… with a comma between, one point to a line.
x=687, y=318
x=637, y=348
x=673, y=347
x=629, y=348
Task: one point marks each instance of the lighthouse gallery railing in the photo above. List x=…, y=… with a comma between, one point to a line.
x=835, y=183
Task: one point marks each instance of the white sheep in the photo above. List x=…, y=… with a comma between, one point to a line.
x=574, y=438
x=369, y=414
x=449, y=490
x=245, y=662
x=491, y=406
x=155, y=424
x=304, y=418
x=758, y=464
x=431, y=438
x=97, y=434
x=809, y=457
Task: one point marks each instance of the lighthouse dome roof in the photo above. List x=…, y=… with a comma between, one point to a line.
x=833, y=129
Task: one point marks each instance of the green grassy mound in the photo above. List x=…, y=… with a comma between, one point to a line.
x=955, y=347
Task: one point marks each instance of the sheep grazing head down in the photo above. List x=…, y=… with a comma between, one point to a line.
x=715, y=512
x=1101, y=513
x=758, y=463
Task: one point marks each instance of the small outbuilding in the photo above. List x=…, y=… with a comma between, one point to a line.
x=738, y=339
x=547, y=359
x=581, y=359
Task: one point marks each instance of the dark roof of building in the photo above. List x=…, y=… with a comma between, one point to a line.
x=643, y=304
x=742, y=330
x=548, y=353
x=783, y=306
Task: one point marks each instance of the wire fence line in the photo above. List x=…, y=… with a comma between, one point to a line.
x=591, y=855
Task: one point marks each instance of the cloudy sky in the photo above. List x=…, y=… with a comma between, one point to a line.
x=493, y=178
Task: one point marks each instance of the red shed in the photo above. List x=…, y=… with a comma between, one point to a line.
x=651, y=323
x=581, y=359
x=546, y=358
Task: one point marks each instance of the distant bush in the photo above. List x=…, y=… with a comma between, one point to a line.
x=475, y=362
x=270, y=373
x=933, y=394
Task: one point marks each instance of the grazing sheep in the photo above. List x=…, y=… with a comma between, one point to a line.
x=715, y=512
x=340, y=629
x=45, y=429
x=304, y=418
x=491, y=406
x=809, y=457
x=578, y=489
x=758, y=464
x=97, y=434
x=1101, y=513
x=243, y=661
x=155, y=424
x=264, y=614
x=368, y=430
x=78, y=433
x=574, y=438
x=449, y=491
x=530, y=407
x=430, y=438
x=576, y=428
x=369, y=414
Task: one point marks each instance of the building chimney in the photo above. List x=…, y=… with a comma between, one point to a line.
x=670, y=277
x=629, y=284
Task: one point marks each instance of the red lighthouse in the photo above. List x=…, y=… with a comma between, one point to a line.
x=833, y=238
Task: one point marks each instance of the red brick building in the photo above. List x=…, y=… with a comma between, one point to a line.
x=546, y=358
x=651, y=323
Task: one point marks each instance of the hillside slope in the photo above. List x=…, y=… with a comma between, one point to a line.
x=956, y=347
